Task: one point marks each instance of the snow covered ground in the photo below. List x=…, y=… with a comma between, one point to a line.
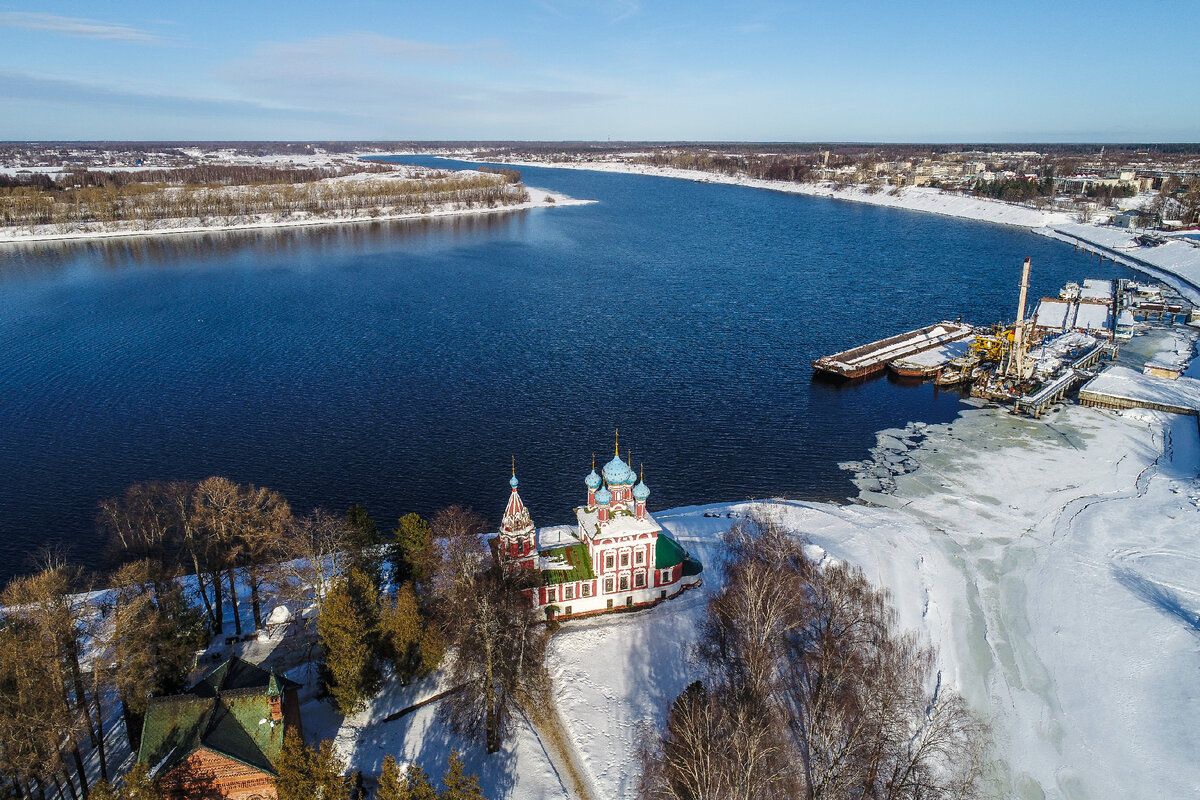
x=1177, y=261
x=43, y=233
x=1054, y=563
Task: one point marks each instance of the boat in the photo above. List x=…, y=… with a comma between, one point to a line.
x=870, y=359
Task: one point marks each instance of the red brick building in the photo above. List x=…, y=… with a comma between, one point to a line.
x=222, y=737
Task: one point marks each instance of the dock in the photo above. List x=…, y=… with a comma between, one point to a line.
x=1121, y=388
x=1076, y=373
x=873, y=358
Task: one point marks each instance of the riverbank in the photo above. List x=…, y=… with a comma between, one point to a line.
x=1177, y=262
x=1052, y=563
x=911, y=198
x=538, y=198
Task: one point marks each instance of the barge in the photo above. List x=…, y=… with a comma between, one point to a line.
x=870, y=359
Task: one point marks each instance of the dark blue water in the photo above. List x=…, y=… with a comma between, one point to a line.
x=401, y=365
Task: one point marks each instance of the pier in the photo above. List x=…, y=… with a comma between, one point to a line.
x=1121, y=388
x=870, y=359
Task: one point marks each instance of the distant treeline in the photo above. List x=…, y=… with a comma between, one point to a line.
x=148, y=202
x=206, y=174
x=764, y=167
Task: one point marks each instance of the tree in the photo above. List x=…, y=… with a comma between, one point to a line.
x=362, y=543
x=413, y=647
x=458, y=786
x=412, y=784
x=153, y=638
x=815, y=693
x=411, y=551
x=245, y=525
x=487, y=617
x=44, y=614
x=305, y=773
x=349, y=631
x=313, y=557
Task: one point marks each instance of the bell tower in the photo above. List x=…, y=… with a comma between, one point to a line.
x=518, y=538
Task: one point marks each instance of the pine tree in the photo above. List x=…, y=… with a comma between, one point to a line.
x=402, y=630
x=411, y=550
x=362, y=543
x=417, y=785
x=349, y=631
x=303, y=773
x=293, y=769
x=139, y=785
x=456, y=785
x=391, y=784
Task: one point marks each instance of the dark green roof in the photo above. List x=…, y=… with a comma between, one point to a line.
x=577, y=556
x=222, y=712
x=669, y=552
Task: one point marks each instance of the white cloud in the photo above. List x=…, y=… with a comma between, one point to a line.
x=75, y=26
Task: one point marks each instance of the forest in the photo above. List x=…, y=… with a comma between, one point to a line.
x=215, y=194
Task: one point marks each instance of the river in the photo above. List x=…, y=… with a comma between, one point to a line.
x=403, y=365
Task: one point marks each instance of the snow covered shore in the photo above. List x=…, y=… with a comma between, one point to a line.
x=1177, y=262
x=912, y=198
x=1053, y=563
x=538, y=198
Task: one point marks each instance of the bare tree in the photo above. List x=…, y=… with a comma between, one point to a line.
x=497, y=643
x=809, y=658
x=313, y=556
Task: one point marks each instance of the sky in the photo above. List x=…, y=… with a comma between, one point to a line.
x=622, y=70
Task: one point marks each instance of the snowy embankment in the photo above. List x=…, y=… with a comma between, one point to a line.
x=1053, y=563
x=912, y=198
x=1177, y=262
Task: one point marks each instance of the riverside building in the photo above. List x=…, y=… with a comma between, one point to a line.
x=616, y=557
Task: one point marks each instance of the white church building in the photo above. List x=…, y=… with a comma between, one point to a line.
x=616, y=557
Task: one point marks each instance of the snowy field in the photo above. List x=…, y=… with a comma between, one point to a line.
x=1054, y=563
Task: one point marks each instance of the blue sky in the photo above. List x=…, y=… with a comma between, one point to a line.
x=611, y=69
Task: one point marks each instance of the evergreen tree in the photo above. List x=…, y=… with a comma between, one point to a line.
x=303, y=773
x=411, y=550
x=456, y=785
x=139, y=785
x=349, y=631
x=363, y=543
x=403, y=629
x=391, y=784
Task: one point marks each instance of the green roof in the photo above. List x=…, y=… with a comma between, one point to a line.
x=222, y=712
x=580, y=565
x=669, y=552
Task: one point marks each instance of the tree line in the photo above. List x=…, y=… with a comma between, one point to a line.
x=199, y=554
x=811, y=691
x=143, y=203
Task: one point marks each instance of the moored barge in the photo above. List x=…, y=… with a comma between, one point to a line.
x=869, y=359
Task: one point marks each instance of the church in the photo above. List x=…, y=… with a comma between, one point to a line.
x=615, y=557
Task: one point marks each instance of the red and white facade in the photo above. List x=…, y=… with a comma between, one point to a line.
x=615, y=557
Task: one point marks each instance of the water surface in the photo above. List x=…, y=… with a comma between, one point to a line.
x=401, y=365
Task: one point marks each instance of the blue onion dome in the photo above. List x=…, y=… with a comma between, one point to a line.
x=617, y=472
x=513, y=481
x=640, y=492
x=603, y=497
x=592, y=480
